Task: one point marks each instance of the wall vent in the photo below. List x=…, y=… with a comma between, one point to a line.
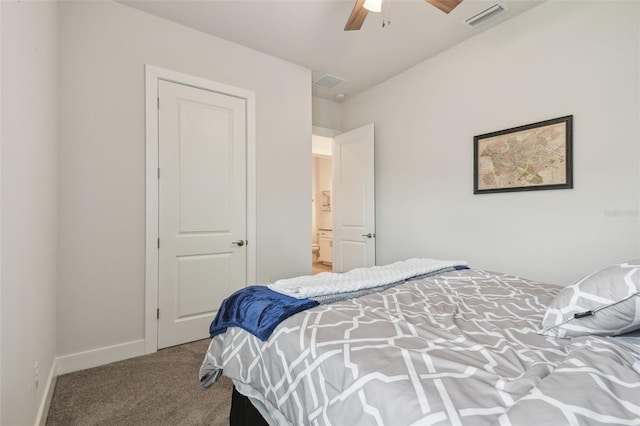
x=328, y=81
x=485, y=14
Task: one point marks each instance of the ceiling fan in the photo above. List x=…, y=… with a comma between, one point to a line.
x=362, y=7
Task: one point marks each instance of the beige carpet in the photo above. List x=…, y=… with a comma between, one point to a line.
x=156, y=389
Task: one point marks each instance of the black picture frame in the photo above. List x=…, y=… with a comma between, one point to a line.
x=533, y=157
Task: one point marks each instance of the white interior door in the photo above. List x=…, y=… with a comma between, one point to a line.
x=354, y=221
x=202, y=208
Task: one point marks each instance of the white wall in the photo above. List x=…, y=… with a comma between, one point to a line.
x=1, y=133
x=104, y=47
x=559, y=58
x=29, y=150
x=326, y=113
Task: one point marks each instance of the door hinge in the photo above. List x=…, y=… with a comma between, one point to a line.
x=158, y=242
x=158, y=313
x=158, y=103
x=158, y=172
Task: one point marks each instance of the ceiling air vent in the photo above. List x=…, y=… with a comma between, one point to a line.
x=328, y=81
x=485, y=14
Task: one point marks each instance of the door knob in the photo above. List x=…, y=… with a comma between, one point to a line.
x=239, y=243
x=369, y=235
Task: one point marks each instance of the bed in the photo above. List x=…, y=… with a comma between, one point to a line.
x=466, y=347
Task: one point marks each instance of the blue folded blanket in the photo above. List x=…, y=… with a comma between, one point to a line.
x=258, y=310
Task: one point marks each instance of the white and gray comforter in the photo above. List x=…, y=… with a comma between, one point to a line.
x=459, y=348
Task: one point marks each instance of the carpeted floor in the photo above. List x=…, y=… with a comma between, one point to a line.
x=156, y=389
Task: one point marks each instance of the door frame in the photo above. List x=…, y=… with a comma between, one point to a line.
x=153, y=75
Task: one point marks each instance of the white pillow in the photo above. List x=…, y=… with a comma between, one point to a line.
x=605, y=303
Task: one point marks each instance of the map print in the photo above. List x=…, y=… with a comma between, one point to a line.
x=531, y=157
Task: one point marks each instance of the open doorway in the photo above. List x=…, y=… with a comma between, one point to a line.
x=322, y=204
x=343, y=199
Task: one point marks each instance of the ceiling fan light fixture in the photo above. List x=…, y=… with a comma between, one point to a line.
x=373, y=5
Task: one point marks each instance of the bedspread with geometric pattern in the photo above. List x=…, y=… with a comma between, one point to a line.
x=458, y=348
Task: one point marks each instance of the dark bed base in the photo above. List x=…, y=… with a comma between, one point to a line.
x=243, y=413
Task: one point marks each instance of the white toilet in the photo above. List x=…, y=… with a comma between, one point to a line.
x=315, y=251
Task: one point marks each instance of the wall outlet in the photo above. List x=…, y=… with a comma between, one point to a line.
x=35, y=376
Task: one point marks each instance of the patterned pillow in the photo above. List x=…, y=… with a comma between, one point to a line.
x=605, y=303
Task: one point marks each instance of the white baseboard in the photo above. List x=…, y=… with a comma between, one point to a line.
x=80, y=361
x=43, y=411
x=97, y=357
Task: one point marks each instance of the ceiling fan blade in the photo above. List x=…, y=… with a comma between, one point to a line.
x=445, y=5
x=356, y=19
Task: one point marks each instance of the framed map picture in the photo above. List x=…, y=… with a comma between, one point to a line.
x=526, y=158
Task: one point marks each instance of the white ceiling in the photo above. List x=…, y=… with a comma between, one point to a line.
x=310, y=32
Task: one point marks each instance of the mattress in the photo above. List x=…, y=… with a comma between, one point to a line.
x=457, y=348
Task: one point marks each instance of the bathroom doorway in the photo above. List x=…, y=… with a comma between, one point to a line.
x=321, y=199
x=343, y=231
